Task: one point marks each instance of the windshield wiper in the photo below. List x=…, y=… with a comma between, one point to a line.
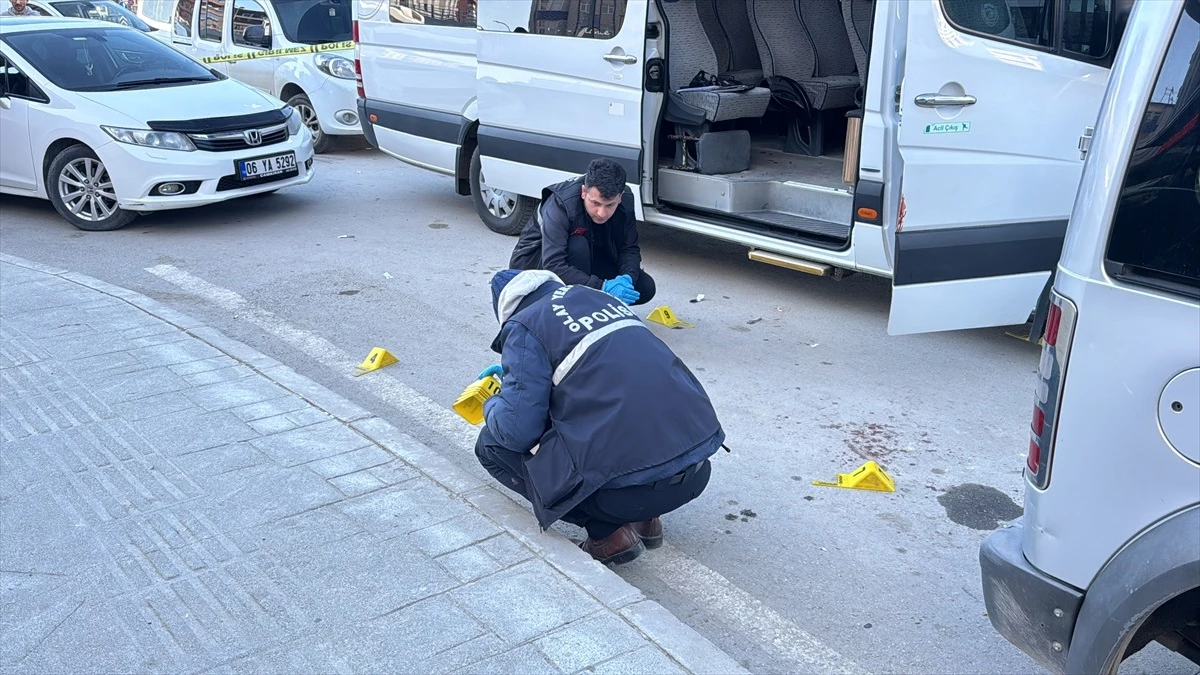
x=160, y=80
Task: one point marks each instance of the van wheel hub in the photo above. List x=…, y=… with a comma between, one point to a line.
x=499, y=203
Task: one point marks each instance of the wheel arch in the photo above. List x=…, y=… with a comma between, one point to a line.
x=468, y=140
x=289, y=90
x=53, y=151
x=1160, y=565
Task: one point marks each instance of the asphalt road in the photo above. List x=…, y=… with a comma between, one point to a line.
x=784, y=575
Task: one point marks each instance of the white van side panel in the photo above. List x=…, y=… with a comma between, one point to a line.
x=987, y=185
x=553, y=103
x=1112, y=409
x=420, y=83
x=1130, y=343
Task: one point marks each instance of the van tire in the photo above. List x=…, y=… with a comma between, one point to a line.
x=507, y=213
x=80, y=160
x=322, y=142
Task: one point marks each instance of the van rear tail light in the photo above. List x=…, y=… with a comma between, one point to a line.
x=1034, y=460
x=358, y=80
x=1052, y=369
x=1053, y=320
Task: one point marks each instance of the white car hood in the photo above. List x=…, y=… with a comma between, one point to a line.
x=223, y=98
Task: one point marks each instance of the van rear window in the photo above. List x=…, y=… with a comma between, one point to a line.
x=1155, y=237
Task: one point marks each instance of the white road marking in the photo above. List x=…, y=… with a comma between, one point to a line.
x=735, y=606
x=682, y=573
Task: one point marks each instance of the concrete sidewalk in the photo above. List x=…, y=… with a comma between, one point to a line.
x=173, y=501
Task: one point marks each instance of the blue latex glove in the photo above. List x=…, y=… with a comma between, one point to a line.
x=496, y=370
x=614, y=286
x=627, y=295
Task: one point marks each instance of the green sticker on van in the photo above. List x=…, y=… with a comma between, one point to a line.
x=948, y=128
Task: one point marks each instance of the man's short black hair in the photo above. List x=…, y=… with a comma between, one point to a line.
x=606, y=176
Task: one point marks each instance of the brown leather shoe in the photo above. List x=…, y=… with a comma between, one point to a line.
x=650, y=531
x=618, y=548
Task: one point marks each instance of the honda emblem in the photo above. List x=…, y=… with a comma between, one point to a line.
x=252, y=136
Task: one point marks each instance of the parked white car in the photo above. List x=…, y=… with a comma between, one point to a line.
x=107, y=123
x=299, y=51
x=99, y=10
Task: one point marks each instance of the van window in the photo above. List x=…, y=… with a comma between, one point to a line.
x=460, y=13
x=599, y=19
x=155, y=10
x=1155, y=237
x=1086, y=27
x=248, y=13
x=183, y=18
x=1083, y=32
x=314, y=22
x=212, y=13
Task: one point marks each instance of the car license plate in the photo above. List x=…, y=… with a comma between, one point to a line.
x=261, y=167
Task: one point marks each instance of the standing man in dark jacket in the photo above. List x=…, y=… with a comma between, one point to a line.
x=597, y=422
x=585, y=232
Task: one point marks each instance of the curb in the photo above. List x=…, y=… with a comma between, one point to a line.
x=678, y=640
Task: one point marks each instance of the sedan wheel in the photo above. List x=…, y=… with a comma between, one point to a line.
x=82, y=191
x=87, y=190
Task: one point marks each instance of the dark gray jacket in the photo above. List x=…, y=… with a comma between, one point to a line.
x=543, y=242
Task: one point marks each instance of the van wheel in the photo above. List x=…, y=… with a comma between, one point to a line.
x=503, y=212
x=82, y=191
x=308, y=114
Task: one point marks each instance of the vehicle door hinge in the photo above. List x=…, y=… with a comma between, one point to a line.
x=1085, y=141
x=896, y=99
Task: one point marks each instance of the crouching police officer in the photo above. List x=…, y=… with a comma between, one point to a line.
x=597, y=422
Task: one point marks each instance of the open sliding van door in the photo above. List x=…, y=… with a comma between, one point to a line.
x=558, y=86
x=996, y=97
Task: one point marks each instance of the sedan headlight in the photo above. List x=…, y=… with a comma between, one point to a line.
x=337, y=66
x=163, y=140
x=295, y=124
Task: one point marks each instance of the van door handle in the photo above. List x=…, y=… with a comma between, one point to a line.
x=938, y=100
x=620, y=58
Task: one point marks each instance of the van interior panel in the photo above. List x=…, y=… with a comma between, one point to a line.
x=794, y=181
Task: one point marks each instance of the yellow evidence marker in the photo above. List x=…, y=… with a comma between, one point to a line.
x=378, y=358
x=666, y=317
x=470, y=404
x=869, y=476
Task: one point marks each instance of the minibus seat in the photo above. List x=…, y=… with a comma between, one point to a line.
x=695, y=101
x=808, y=62
x=689, y=54
x=858, y=16
x=728, y=28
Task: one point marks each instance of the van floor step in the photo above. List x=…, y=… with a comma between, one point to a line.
x=798, y=223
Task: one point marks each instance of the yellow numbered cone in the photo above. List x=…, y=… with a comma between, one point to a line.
x=666, y=317
x=869, y=476
x=378, y=358
x=469, y=405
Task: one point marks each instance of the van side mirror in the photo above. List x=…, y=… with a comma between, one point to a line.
x=255, y=35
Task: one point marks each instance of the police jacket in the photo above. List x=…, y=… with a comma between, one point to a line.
x=543, y=242
x=596, y=396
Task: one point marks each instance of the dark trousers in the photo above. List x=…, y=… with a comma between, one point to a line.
x=579, y=255
x=605, y=510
